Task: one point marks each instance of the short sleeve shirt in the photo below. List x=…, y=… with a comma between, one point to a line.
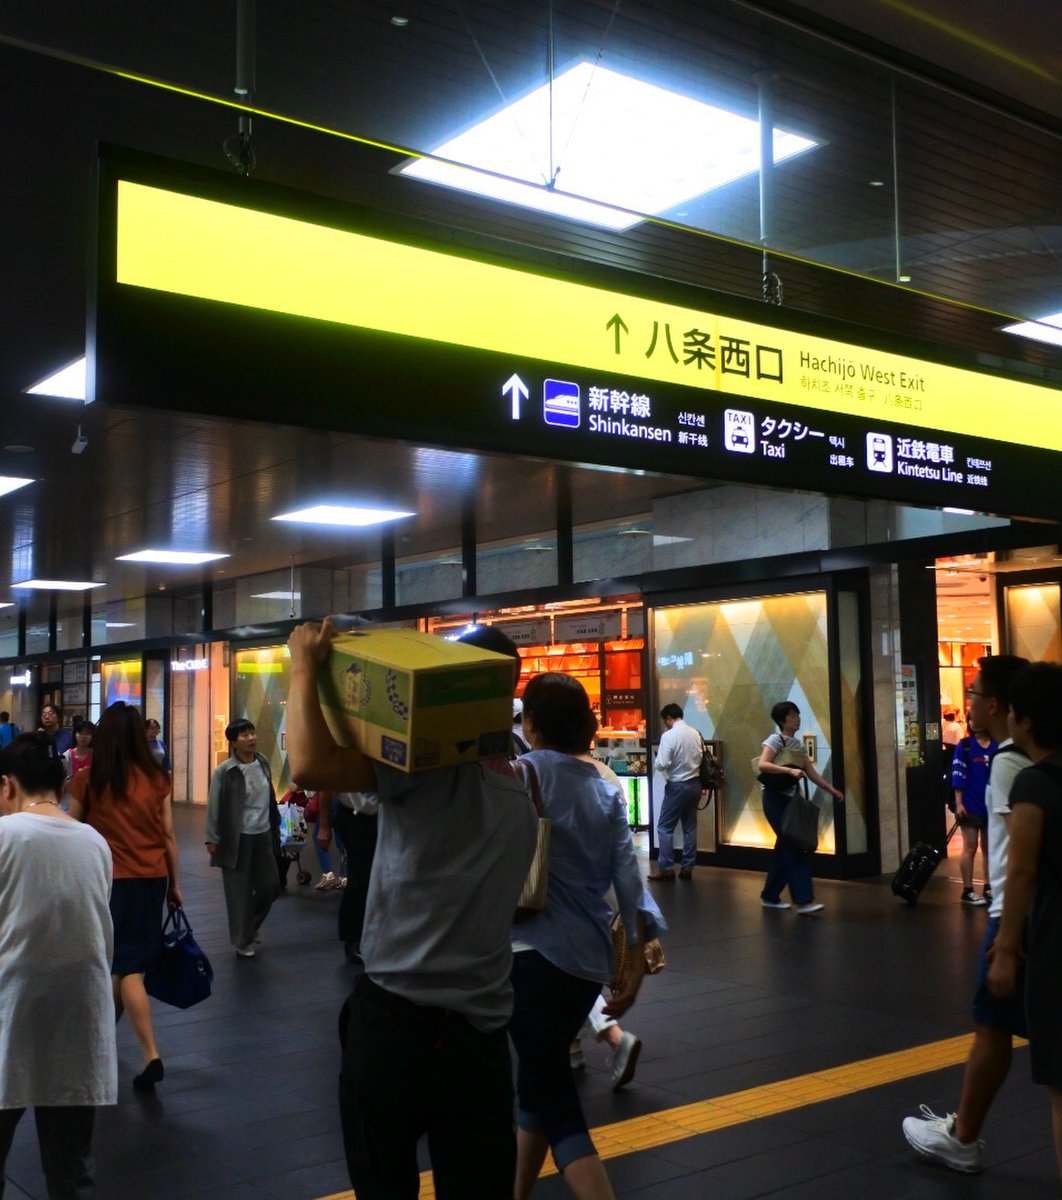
x=132, y=825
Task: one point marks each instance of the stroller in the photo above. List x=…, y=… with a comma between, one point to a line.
x=293, y=839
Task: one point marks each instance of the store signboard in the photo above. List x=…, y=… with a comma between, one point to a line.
x=286, y=297
x=587, y=627
x=527, y=633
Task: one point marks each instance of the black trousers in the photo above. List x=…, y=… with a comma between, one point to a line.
x=410, y=1070
x=65, y=1138
x=357, y=835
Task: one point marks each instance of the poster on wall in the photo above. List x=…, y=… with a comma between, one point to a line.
x=909, y=719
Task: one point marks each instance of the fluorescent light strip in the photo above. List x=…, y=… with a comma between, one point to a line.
x=1044, y=329
x=177, y=557
x=352, y=516
x=68, y=383
x=286, y=596
x=624, y=144
x=55, y=585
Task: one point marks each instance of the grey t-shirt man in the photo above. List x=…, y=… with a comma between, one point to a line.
x=452, y=854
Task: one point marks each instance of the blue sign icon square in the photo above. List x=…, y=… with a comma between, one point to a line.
x=560, y=403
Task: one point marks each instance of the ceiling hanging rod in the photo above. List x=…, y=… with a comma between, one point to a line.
x=239, y=149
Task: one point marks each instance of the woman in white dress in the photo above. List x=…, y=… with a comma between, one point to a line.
x=57, y=1048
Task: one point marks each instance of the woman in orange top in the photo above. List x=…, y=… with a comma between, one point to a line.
x=125, y=795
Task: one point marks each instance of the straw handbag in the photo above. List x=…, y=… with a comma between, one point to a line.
x=536, y=885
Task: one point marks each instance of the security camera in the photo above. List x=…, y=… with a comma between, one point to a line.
x=80, y=443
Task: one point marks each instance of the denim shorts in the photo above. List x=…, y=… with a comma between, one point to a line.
x=1007, y=1015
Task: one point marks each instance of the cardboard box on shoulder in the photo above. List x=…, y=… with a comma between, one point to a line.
x=416, y=701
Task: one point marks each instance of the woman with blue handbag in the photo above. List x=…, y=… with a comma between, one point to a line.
x=125, y=796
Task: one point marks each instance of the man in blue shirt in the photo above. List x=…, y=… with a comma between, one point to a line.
x=8, y=730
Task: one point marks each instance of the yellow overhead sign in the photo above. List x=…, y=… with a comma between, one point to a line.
x=173, y=242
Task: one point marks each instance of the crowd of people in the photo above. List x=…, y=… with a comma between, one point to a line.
x=458, y=976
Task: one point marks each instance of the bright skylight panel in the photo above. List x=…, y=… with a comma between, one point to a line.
x=616, y=140
x=11, y=483
x=342, y=514
x=177, y=557
x=68, y=383
x=56, y=585
x=1046, y=329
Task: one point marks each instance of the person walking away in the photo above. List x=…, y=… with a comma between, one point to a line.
x=125, y=796
x=57, y=1043
x=562, y=955
x=425, y=1049
x=1032, y=914
x=784, y=757
x=242, y=835
x=352, y=816
x=678, y=760
x=953, y=1139
x=969, y=779
x=8, y=730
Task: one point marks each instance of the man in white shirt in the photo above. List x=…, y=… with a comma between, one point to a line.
x=953, y=1139
x=679, y=761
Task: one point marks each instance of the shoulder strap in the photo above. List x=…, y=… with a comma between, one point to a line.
x=526, y=771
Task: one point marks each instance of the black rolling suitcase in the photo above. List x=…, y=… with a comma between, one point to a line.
x=917, y=868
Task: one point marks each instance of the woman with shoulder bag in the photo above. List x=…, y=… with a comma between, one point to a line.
x=125, y=796
x=562, y=954
x=784, y=759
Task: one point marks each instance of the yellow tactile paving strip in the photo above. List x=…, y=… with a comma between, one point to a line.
x=767, y=1100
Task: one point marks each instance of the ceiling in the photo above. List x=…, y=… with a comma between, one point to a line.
x=953, y=106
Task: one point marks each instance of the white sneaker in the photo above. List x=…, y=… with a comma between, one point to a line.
x=806, y=910
x=326, y=882
x=245, y=951
x=625, y=1060
x=935, y=1137
x=775, y=903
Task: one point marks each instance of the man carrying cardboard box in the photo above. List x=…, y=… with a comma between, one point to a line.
x=425, y=1048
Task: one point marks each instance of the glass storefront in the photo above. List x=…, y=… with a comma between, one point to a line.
x=260, y=693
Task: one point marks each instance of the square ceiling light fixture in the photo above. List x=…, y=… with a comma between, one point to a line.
x=1044, y=329
x=174, y=557
x=349, y=515
x=68, y=383
x=616, y=141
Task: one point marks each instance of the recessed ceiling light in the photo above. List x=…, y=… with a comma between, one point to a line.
x=181, y=557
x=877, y=183
x=400, y=22
x=56, y=585
x=118, y=624
x=276, y=595
x=11, y=483
x=959, y=512
x=7, y=604
x=667, y=539
x=1044, y=329
x=621, y=142
x=903, y=278
x=349, y=515
x=19, y=448
x=68, y=383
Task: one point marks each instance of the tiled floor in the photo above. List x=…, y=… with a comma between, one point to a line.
x=749, y=997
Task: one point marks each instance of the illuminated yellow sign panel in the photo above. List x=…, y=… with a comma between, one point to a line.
x=171, y=242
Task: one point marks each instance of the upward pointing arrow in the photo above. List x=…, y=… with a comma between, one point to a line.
x=616, y=323
x=515, y=388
